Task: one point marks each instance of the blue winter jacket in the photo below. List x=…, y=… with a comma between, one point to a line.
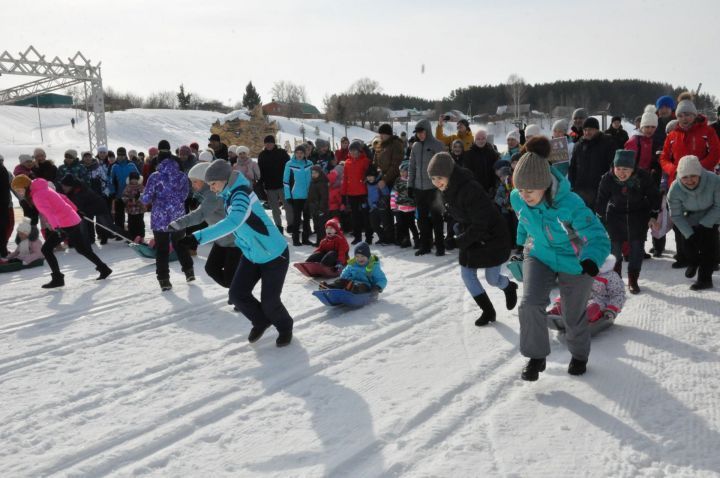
x=297, y=177
x=119, y=174
x=375, y=194
x=370, y=275
x=255, y=233
x=563, y=235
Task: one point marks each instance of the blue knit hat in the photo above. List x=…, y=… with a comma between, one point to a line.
x=665, y=101
x=363, y=249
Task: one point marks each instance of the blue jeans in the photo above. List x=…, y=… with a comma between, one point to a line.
x=492, y=276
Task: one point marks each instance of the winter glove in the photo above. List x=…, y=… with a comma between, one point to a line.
x=589, y=268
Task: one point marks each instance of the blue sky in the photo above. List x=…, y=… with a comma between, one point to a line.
x=216, y=47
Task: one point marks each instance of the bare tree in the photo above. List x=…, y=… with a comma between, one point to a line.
x=516, y=90
x=291, y=94
x=362, y=94
x=162, y=100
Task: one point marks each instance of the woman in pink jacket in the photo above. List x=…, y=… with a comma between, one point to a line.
x=63, y=218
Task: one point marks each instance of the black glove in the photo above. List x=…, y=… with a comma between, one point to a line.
x=411, y=193
x=589, y=268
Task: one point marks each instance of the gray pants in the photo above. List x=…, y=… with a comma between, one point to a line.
x=538, y=281
x=275, y=196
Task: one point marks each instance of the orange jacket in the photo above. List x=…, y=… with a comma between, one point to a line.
x=699, y=140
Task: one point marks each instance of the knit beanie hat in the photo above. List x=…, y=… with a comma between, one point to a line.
x=665, y=101
x=72, y=153
x=648, y=119
x=672, y=124
x=25, y=227
x=206, y=157
x=591, y=123
x=25, y=158
x=624, y=158
x=133, y=154
x=21, y=181
x=198, y=171
x=442, y=165
x=356, y=146
x=532, y=130
x=457, y=142
x=363, y=249
x=514, y=134
x=102, y=149
x=689, y=166
x=152, y=151
x=219, y=170
x=163, y=145
x=532, y=172
x=580, y=113
x=242, y=149
x=616, y=118
x=686, y=106
x=405, y=165
x=560, y=125
x=385, y=129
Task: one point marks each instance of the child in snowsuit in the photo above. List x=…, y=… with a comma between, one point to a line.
x=606, y=301
x=564, y=245
x=317, y=201
x=378, y=203
x=362, y=273
x=628, y=203
x=28, y=252
x=481, y=236
x=134, y=206
x=403, y=207
x=333, y=249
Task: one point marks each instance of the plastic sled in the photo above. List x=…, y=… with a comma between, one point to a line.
x=18, y=265
x=333, y=297
x=556, y=322
x=516, y=269
x=143, y=250
x=316, y=269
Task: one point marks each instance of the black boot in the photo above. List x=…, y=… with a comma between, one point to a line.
x=257, y=332
x=488, y=314
x=577, y=366
x=510, y=295
x=284, y=339
x=691, y=271
x=633, y=277
x=532, y=369
x=698, y=285
x=104, y=271
x=165, y=284
x=58, y=280
x=189, y=275
x=422, y=251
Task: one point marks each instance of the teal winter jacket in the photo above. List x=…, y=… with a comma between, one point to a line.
x=564, y=234
x=296, y=178
x=371, y=274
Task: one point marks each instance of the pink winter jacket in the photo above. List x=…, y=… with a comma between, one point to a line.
x=56, y=208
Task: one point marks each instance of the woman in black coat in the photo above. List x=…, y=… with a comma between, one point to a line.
x=628, y=203
x=481, y=233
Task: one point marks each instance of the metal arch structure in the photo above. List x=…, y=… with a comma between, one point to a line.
x=55, y=75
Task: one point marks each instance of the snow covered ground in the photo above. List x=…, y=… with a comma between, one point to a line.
x=117, y=378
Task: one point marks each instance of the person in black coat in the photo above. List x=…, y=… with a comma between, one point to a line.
x=480, y=160
x=592, y=157
x=271, y=162
x=628, y=202
x=91, y=205
x=481, y=234
x=5, y=208
x=617, y=133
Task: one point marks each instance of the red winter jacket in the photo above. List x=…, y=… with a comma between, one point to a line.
x=643, y=144
x=699, y=140
x=342, y=155
x=335, y=199
x=336, y=243
x=353, y=183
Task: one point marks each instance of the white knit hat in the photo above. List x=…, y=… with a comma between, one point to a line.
x=242, y=149
x=25, y=227
x=514, y=134
x=232, y=148
x=532, y=130
x=649, y=119
x=198, y=171
x=206, y=157
x=689, y=166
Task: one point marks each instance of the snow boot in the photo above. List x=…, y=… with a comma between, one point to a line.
x=257, y=332
x=532, y=369
x=104, y=271
x=488, y=315
x=510, y=295
x=439, y=252
x=699, y=285
x=58, y=280
x=678, y=264
x=422, y=251
x=284, y=339
x=691, y=271
x=577, y=366
x=405, y=243
x=165, y=284
x=189, y=275
x=633, y=277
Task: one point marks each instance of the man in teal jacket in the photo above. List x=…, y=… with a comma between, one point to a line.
x=265, y=253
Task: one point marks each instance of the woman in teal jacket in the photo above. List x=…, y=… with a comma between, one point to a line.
x=265, y=253
x=296, y=180
x=564, y=245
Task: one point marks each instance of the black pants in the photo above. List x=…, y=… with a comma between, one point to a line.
x=4, y=224
x=221, y=264
x=300, y=216
x=637, y=253
x=681, y=254
x=700, y=251
x=360, y=218
x=79, y=241
x=328, y=259
x=136, y=225
x=269, y=310
x=318, y=219
x=119, y=215
x=658, y=244
x=406, y=226
x=381, y=222
x=162, y=247
x=430, y=218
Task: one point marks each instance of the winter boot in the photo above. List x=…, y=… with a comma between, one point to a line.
x=488, y=314
x=510, y=295
x=257, y=332
x=633, y=277
x=422, y=251
x=691, y=271
x=532, y=369
x=698, y=285
x=165, y=284
x=284, y=339
x=405, y=243
x=439, y=252
x=104, y=271
x=618, y=268
x=58, y=280
x=577, y=366
x=189, y=275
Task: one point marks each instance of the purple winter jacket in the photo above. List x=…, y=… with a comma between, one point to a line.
x=166, y=190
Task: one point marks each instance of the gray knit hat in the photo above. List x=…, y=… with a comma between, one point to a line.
x=686, y=106
x=560, y=125
x=689, y=166
x=580, y=113
x=442, y=165
x=219, y=170
x=532, y=172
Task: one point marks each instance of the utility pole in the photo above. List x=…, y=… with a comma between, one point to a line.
x=37, y=103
